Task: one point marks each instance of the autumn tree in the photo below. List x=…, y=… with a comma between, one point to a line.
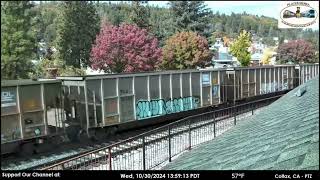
x=239, y=48
x=296, y=51
x=186, y=50
x=126, y=48
x=18, y=43
x=267, y=56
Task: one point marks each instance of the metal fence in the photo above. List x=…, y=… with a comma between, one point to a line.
x=154, y=149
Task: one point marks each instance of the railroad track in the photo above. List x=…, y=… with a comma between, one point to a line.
x=150, y=149
x=47, y=160
x=132, y=151
x=73, y=150
x=40, y=161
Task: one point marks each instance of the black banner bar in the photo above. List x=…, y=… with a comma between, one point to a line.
x=162, y=174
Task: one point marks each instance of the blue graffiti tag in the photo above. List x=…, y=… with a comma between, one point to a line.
x=158, y=107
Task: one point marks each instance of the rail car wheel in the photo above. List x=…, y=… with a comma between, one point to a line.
x=111, y=131
x=26, y=149
x=44, y=146
x=73, y=133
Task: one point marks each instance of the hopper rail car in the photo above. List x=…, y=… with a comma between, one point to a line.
x=95, y=106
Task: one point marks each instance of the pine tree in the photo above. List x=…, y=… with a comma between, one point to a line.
x=260, y=30
x=139, y=14
x=228, y=26
x=46, y=16
x=18, y=43
x=77, y=31
x=271, y=32
x=191, y=16
x=161, y=24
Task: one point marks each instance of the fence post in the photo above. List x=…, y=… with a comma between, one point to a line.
x=169, y=137
x=110, y=158
x=214, y=124
x=143, y=153
x=189, y=134
x=235, y=115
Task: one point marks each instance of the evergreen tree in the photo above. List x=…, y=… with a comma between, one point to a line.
x=219, y=27
x=269, y=41
x=46, y=14
x=114, y=13
x=77, y=31
x=241, y=26
x=191, y=16
x=228, y=26
x=161, y=24
x=271, y=32
x=139, y=14
x=18, y=43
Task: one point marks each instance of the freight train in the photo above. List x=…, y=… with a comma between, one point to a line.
x=35, y=113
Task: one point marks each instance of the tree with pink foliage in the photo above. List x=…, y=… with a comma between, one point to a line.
x=126, y=48
x=296, y=51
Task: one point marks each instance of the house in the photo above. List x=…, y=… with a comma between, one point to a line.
x=223, y=58
x=257, y=47
x=257, y=50
x=256, y=59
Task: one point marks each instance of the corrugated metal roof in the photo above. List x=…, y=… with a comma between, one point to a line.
x=283, y=136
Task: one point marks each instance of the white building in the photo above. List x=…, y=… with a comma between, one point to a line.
x=256, y=58
x=223, y=58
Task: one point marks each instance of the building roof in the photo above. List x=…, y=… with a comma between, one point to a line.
x=256, y=57
x=284, y=136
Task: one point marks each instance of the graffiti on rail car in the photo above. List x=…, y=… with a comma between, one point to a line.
x=157, y=107
x=273, y=87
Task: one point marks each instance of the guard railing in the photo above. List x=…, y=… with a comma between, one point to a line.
x=154, y=149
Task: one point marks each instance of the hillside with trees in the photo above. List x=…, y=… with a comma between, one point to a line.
x=62, y=34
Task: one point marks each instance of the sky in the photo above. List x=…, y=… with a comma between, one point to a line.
x=266, y=8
